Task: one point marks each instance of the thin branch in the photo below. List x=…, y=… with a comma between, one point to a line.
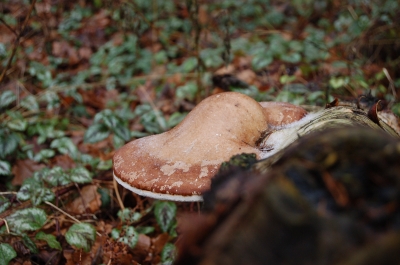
x=5, y=221
x=17, y=41
x=8, y=193
x=9, y=28
x=67, y=214
x=391, y=83
x=64, y=212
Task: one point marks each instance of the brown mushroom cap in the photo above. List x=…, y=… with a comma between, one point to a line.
x=178, y=164
x=282, y=113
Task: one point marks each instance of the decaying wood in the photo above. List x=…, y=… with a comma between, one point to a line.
x=327, y=119
x=331, y=197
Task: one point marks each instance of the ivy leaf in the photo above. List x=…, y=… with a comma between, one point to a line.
x=29, y=219
x=5, y=168
x=175, y=119
x=168, y=254
x=29, y=243
x=189, y=65
x=96, y=132
x=108, y=117
x=336, y=82
x=261, y=60
x=34, y=190
x=6, y=98
x=165, y=213
x=53, y=100
x=80, y=175
x=293, y=57
x=81, y=236
x=44, y=153
x=47, y=131
x=4, y=203
x=128, y=216
x=7, y=253
x=55, y=176
x=50, y=239
x=187, y=91
x=30, y=103
x=17, y=125
x=122, y=131
x=8, y=144
x=104, y=165
x=126, y=235
x=118, y=141
x=145, y=229
x=65, y=146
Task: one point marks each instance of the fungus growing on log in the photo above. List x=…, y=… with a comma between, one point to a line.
x=179, y=164
x=279, y=114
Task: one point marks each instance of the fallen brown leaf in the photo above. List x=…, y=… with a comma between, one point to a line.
x=64, y=161
x=88, y=202
x=24, y=169
x=142, y=248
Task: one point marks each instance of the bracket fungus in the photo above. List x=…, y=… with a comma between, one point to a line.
x=279, y=114
x=179, y=164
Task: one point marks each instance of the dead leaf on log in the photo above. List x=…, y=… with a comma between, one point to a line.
x=390, y=119
x=332, y=104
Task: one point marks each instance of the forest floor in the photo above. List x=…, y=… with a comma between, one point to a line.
x=79, y=79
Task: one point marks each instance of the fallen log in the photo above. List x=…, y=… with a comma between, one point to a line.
x=332, y=196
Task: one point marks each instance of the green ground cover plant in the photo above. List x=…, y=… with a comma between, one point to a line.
x=79, y=79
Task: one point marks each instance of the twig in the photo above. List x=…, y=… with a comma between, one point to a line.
x=193, y=7
x=7, y=26
x=121, y=205
x=8, y=193
x=17, y=41
x=64, y=212
x=67, y=214
x=5, y=221
x=391, y=83
x=352, y=12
